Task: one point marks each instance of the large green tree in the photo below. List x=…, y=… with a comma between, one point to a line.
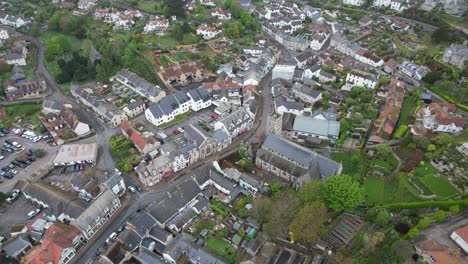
x=310, y=192
x=341, y=192
x=308, y=223
x=58, y=45
x=283, y=208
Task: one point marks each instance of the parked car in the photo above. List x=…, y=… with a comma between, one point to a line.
x=10, y=165
x=16, y=144
x=132, y=189
x=9, y=141
x=111, y=237
x=5, y=169
x=2, y=157
x=181, y=130
x=13, y=196
x=1, y=134
x=176, y=132
x=31, y=158
x=33, y=213
x=4, y=131
x=14, y=172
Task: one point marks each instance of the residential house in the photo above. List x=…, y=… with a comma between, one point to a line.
x=285, y=72
x=12, y=21
x=210, y=176
x=359, y=78
x=168, y=108
x=14, y=58
x=72, y=121
x=305, y=59
x=207, y=32
x=399, y=25
x=58, y=245
x=144, y=142
x=252, y=50
x=439, y=118
x=319, y=40
x=343, y=45
x=391, y=66
x=460, y=236
x=139, y=85
x=221, y=14
x=16, y=247
x=182, y=74
x=389, y=114
x=397, y=5
x=134, y=108
x=306, y=94
x=152, y=172
x=431, y=252
x=97, y=214
x=200, y=98
x=284, y=105
x=159, y=26
x=53, y=107
x=184, y=245
x=209, y=3
x=236, y=123
x=17, y=90
x=295, y=43
x=86, y=4
x=293, y=162
x=306, y=126
x=457, y=55
x=354, y=2
x=368, y=58
x=463, y=149
x=116, y=184
x=4, y=34
x=105, y=110
x=413, y=70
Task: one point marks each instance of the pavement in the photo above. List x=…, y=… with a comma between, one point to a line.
x=15, y=213
x=441, y=232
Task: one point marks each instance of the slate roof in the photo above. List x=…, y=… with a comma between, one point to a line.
x=142, y=223
x=159, y=234
x=135, y=104
x=281, y=101
x=58, y=201
x=129, y=239
x=16, y=246
x=196, y=134
x=164, y=209
x=306, y=90
x=200, y=94
x=316, y=126
x=96, y=209
x=231, y=121
x=184, y=244
x=168, y=104
x=295, y=159
x=138, y=83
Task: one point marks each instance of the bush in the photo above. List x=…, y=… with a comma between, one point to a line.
x=440, y=216
x=413, y=233
x=454, y=209
x=423, y=223
x=400, y=132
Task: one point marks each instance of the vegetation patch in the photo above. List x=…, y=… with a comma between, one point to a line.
x=124, y=153
x=353, y=163
x=439, y=186
x=221, y=248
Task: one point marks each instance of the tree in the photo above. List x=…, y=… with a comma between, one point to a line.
x=384, y=150
x=58, y=45
x=310, y=192
x=440, y=216
x=440, y=35
x=283, y=209
x=68, y=134
x=423, y=223
x=261, y=208
x=413, y=233
x=371, y=241
x=308, y=223
x=431, y=147
x=235, y=31
x=454, y=209
x=342, y=192
x=276, y=188
x=383, y=216
x=40, y=153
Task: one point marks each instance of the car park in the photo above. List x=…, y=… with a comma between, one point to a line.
x=33, y=213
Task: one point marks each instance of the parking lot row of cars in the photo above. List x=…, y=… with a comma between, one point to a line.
x=15, y=194
x=8, y=171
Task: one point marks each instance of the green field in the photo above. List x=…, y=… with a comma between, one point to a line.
x=377, y=191
x=221, y=248
x=439, y=186
x=351, y=166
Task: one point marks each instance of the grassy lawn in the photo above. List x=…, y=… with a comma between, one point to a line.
x=409, y=107
x=424, y=169
x=26, y=111
x=163, y=43
x=351, y=166
x=176, y=120
x=221, y=248
x=378, y=191
x=439, y=186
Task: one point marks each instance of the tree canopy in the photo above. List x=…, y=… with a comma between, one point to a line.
x=342, y=192
x=308, y=223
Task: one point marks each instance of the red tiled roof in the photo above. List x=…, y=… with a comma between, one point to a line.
x=139, y=141
x=57, y=238
x=463, y=233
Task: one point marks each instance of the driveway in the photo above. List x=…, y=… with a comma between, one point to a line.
x=441, y=232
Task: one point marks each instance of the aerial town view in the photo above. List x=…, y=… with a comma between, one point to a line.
x=234, y=131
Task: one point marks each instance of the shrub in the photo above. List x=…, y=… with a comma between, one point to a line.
x=413, y=233
x=400, y=132
x=454, y=209
x=440, y=216
x=423, y=223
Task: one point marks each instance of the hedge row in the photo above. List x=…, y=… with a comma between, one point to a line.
x=427, y=204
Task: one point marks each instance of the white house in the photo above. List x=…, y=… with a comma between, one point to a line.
x=86, y=4
x=4, y=34
x=15, y=59
x=200, y=98
x=413, y=70
x=360, y=78
x=207, y=32
x=221, y=14
x=354, y=2
x=460, y=236
x=12, y=21
x=168, y=108
x=236, y=123
x=159, y=26
x=282, y=105
x=285, y=72
x=368, y=58
x=319, y=40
